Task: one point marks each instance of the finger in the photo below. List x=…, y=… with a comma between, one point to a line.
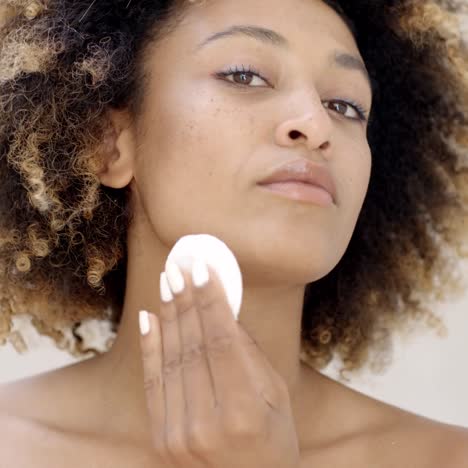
x=171, y=363
x=198, y=386
x=232, y=378
x=151, y=350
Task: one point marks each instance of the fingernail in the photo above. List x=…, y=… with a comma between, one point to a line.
x=144, y=322
x=175, y=277
x=166, y=294
x=200, y=273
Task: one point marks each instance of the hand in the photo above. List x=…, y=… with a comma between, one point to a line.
x=214, y=400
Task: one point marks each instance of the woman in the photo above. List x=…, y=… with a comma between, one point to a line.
x=129, y=124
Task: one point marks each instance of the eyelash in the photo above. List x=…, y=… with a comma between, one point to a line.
x=362, y=113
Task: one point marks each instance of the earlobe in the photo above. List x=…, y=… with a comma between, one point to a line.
x=118, y=151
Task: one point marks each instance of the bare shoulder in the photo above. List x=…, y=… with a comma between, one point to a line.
x=31, y=438
x=26, y=443
x=19, y=400
x=16, y=444
x=362, y=431
x=395, y=438
x=446, y=444
x=408, y=439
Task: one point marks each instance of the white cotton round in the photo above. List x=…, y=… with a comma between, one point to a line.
x=216, y=254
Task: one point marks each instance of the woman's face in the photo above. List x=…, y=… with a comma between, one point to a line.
x=206, y=140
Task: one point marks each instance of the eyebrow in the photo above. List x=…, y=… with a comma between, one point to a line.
x=268, y=36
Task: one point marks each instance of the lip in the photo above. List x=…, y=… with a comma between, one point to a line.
x=302, y=171
x=300, y=192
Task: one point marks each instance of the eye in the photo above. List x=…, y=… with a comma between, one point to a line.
x=246, y=76
x=356, y=109
x=243, y=76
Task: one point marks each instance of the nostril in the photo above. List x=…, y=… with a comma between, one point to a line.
x=294, y=134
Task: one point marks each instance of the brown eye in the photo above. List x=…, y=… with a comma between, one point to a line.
x=248, y=78
x=356, y=110
x=339, y=105
x=243, y=77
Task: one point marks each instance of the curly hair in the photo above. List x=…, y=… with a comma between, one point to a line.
x=65, y=63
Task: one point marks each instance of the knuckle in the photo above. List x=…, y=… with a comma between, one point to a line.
x=168, y=316
x=241, y=429
x=243, y=424
x=186, y=308
x=208, y=300
x=200, y=438
x=152, y=383
x=148, y=353
x=193, y=355
x=175, y=443
x=172, y=365
x=220, y=346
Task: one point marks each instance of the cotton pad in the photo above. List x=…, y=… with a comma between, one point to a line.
x=216, y=254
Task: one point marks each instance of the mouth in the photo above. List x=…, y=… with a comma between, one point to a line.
x=302, y=179
x=300, y=191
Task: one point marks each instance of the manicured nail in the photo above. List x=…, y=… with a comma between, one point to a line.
x=166, y=294
x=200, y=273
x=175, y=277
x=144, y=322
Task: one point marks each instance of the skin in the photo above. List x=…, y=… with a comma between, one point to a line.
x=193, y=158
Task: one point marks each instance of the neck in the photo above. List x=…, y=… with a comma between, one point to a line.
x=270, y=315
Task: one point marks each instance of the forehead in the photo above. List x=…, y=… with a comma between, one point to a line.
x=301, y=21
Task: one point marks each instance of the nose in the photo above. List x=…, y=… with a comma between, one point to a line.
x=311, y=126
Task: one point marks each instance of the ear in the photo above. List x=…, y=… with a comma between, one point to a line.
x=118, y=151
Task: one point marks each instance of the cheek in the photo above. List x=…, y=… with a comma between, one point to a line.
x=190, y=158
x=192, y=130
x=355, y=182
x=358, y=179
